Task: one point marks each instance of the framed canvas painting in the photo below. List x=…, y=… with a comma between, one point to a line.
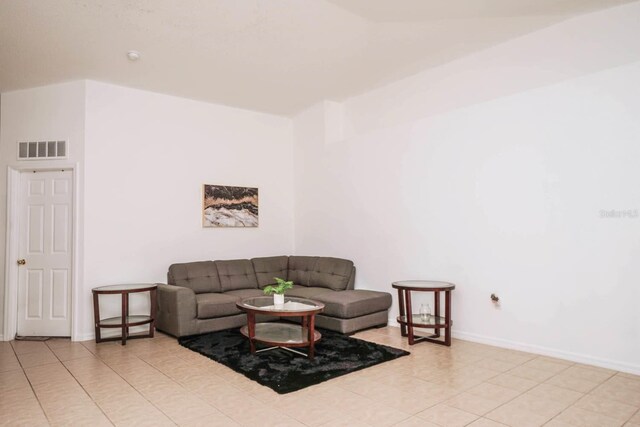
x=226, y=206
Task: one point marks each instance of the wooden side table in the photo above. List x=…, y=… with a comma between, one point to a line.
x=125, y=321
x=408, y=320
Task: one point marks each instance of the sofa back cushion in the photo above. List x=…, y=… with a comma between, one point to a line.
x=201, y=276
x=269, y=267
x=300, y=268
x=332, y=273
x=236, y=274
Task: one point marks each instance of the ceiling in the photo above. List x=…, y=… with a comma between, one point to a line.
x=276, y=56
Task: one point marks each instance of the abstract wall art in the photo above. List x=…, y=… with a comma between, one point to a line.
x=226, y=206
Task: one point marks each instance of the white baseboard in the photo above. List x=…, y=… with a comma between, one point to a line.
x=84, y=337
x=544, y=351
x=2, y=337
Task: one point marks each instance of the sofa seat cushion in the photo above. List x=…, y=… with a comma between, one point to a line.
x=267, y=268
x=306, y=292
x=216, y=305
x=353, y=303
x=246, y=293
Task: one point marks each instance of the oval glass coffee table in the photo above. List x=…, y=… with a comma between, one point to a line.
x=278, y=334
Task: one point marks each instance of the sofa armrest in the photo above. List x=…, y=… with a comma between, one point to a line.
x=177, y=310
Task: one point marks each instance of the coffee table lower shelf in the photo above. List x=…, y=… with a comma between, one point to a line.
x=281, y=335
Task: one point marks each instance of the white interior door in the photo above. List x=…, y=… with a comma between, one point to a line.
x=45, y=248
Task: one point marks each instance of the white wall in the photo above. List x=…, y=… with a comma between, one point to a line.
x=497, y=190
x=50, y=112
x=147, y=157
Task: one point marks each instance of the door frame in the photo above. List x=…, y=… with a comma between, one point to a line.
x=10, y=325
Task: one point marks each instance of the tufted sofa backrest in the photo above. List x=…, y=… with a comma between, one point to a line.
x=201, y=276
x=227, y=275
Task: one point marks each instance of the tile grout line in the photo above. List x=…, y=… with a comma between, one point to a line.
x=131, y=385
x=31, y=386
x=81, y=386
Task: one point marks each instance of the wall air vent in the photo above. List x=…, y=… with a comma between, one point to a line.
x=42, y=150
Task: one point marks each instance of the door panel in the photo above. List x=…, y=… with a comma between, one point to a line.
x=44, y=281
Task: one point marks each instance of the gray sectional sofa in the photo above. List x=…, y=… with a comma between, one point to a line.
x=201, y=296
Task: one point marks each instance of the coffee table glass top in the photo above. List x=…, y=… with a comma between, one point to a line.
x=292, y=304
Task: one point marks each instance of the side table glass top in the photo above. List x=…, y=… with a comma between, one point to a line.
x=125, y=287
x=423, y=284
x=292, y=304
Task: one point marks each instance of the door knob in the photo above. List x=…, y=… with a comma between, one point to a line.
x=22, y=261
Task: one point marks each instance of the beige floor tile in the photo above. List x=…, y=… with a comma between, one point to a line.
x=77, y=351
x=555, y=393
x=81, y=412
x=584, y=418
x=611, y=408
x=547, y=365
x=12, y=380
x=572, y=383
x=133, y=411
x=184, y=407
x=513, y=415
x=629, y=383
x=379, y=415
x=447, y=416
x=416, y=422
x=44, y=357
x=60, y=342
x=533, y=374
x=113, y=388
x=613, y=391
x=497, y=365
x=212, y=420
x=25, y=417
x=346, y=422
x=556, y=423
x=23, y=347
x=309, y=412
x=590, y=374
x=636, y=418
x=485, y=422
x=494, y=392
x=10, y=364
x=513, y=382
x=472, y=403
x=538, y=405
x=408, y=403
x=48, y=373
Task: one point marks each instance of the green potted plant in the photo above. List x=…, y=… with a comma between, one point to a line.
x=278, y=289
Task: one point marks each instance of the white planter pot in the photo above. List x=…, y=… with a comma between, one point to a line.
x=278, y=299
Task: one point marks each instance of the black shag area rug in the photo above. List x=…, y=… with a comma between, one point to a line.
x=283, y=371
